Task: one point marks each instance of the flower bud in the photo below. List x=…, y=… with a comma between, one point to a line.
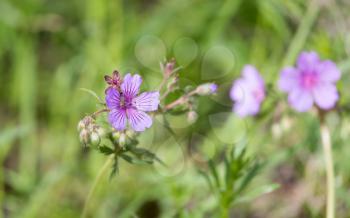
x=207, y=89
x=81, y=125
x=122, y=139
x=84, y=137
x=169, y=67
x=95, y=139
x=101, y=132
x=130, y=133
x=115, y=136
x=192, y=116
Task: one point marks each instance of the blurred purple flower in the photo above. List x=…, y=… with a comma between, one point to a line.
x=127, y=106
x=248, y=92
x=213, y=88
x=311, y=81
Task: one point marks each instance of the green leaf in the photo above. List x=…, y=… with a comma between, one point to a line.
x=207, y=179
x=214, y=173
x=253, y=171
x=115, y=168
x=105, y=150
x=93, y=94
x=265, y=189
x=228, y=173
x=144, y=153
x=128, y=158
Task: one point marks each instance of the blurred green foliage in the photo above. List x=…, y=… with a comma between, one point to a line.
x=50, y=49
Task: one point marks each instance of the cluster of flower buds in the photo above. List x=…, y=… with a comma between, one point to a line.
x=122, y=138
x=89, y=132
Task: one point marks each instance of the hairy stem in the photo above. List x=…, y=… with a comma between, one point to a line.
x=327, y=148
x=181, y=100
x=100, y=176
x=99, y=112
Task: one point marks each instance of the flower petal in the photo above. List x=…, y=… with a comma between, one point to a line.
x=326, y=96
x=252, y=76
x=300, y=99
x=308, y=60
x=147, y=101
x=118, y=119
x=288, y=79
x=138, y=120
x=238, y=90
x=329, y=71
x=112, y=98
x=248, y=106
x=131, y=85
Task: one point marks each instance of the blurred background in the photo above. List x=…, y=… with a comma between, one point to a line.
x=50, y=49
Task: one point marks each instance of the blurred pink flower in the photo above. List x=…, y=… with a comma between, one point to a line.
x=312, y=81
x=248, y=92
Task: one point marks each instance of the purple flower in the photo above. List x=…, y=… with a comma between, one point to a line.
x=248, y=92
x=127, y=106
x=311, y=81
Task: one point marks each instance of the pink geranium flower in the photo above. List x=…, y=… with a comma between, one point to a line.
x=311, y=81
x=126, y=105
x=248, y=92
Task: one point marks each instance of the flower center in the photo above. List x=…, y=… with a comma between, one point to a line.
x=125, y=102
x=309, y=80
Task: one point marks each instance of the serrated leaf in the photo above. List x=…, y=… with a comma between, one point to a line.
x=127, y=158
x=142, y=153
x=105, y=150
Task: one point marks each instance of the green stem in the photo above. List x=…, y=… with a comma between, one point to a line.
x=303, y=31
x=327, y=147
x=100, y=176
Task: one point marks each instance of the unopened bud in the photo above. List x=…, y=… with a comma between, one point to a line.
x=122, y=139
x=207, y=89
x=101, y=132
x=169, y=67
x=130, y=133
x=115, y=136
x=95, y=139
x=81, y=125
x=84, y=137
x=192, y=116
